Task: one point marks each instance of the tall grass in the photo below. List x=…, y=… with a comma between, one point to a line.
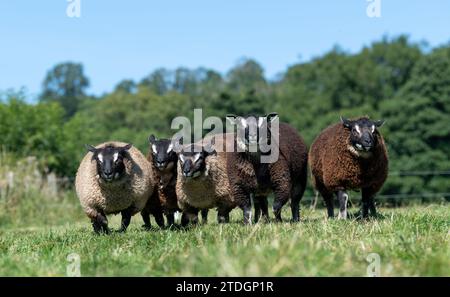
x=30, y=198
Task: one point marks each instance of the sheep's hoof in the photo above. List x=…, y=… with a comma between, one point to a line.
x=102, y=231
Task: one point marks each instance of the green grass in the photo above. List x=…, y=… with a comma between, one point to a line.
x=412, y=241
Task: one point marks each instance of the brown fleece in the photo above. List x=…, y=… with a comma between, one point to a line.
x=336, y=165
x=164, y=198
x=287, y=176
x=213, y=188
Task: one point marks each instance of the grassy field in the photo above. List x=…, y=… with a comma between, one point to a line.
x=412, y=241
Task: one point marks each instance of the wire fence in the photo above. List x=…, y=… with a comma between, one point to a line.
x=418, y=173
x=56, y=183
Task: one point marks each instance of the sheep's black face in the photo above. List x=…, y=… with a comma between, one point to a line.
x=164, y=157
x=110, y=165
x=363, y=133
x=253, y=130
x=193, y=160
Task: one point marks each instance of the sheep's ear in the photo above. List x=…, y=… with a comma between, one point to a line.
x=152, y=139
x=210, y=151
x=379, y=123
x=231, y=118
x=90, y=148
x=209, y=148
x=346, y=122
x=271, y=116
x=125, y=148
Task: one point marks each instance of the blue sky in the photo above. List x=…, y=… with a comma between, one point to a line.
x=129, y=39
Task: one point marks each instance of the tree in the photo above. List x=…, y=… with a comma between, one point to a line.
x=159, y=81
x=419, y=127
x=246, y=76
x=66, y=84
x=127, y=86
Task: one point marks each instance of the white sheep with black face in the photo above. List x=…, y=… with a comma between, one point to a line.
x=113, y=177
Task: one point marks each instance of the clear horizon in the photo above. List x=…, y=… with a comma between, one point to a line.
x=129, y=40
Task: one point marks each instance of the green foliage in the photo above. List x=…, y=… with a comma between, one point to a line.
x=32, y=130
x=66, y=84
x=392, y=79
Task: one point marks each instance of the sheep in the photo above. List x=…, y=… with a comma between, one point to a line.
x=204, y=179
x=113, y=177
x=349, y=155
x=286, y=176
x=163, y=159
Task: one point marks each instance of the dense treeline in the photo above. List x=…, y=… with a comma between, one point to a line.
x=392, y=79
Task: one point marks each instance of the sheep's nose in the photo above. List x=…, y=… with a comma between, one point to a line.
x=367, y=144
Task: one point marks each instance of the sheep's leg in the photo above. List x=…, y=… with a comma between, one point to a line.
x=327, y=197
x=170, y=219
x=373, y=210
x=204, y=214
x=343, y=199
x=295, y=204
x=282, y=195
x=282, y=185
x=159, y=218
x=100, y=223
x=261, y=208
x=368, y=203
x=189, y=216
x=245, y=203
x=295, y=209
x=330, y=207
x=247, y=211
x=184, y=219
x=223, y=215
x=297, y=193
x=265, y=208
x=257, y=206
x=126, y=218
x=146, y=218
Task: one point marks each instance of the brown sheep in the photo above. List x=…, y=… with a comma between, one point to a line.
x=163, y=159
x=204, y=179
x=286, y=176
x=349, y=155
